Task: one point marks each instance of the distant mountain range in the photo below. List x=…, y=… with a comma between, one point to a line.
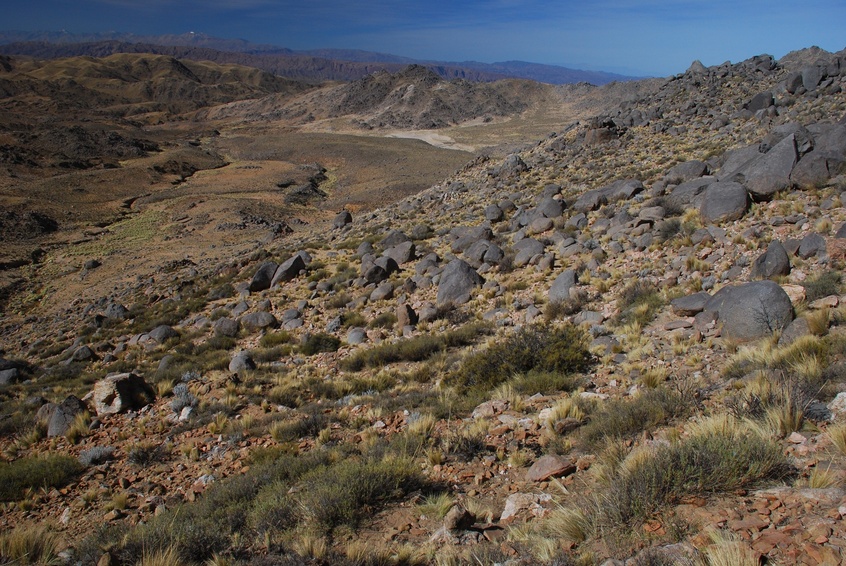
x=311, y=65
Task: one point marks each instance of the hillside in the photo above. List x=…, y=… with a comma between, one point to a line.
x=622, y=343
x=310, y=65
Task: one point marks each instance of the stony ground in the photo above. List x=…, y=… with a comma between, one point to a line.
x=515, y=365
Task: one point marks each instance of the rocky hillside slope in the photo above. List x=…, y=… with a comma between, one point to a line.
x=622, y=345
x=414, y=98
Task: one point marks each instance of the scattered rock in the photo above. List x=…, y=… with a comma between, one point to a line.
x=458, y=281
x=751, y=310
x=118, y=393
x=550, y=466
x=772, y=263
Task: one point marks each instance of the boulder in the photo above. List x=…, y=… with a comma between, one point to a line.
x=493, y=213
x=686, y=171
x=342, y=219
x=9, y=376
x=772, y=263
x=526, y=249
x=288, y=270
x=356, y=336
x=242, y=361
x=811, y=245
x=760, y=101
x=385, y=290
x=769, y=173
x=121, y=392
x=690, y=305
x=751, y=310
x=162, y=333
x=560, y=289
x=724, y=202
x=256, y=321
x=550, y=466
x=115, y=311
x=689, y=193
x=401, y=253
x=618, y=190
x=812, y=76
x=59, y=418
x=550, y=208
x=226, y=327
x=406, y=316
x=263, y=277
x=457, y=283
x=394, y=238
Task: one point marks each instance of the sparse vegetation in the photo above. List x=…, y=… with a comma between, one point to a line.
x=541, y=348
x=36, y=472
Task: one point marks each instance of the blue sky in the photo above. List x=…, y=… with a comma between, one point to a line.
x=653, y=37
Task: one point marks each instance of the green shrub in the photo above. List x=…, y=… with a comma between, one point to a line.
x=546, y=382
x=351, y=319
x=638, y=303
x=384, y=320
x=36, y=472
x=623, y=418
x=320, y=342
x=343, y=494
x=277, y=338
x=414, y=349
x=545, y=348
x=825, y=284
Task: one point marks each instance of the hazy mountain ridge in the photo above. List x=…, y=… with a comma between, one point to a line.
x=317, y=64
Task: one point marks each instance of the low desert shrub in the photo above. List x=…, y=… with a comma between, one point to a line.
x=625, y=418
x=638, y=303
x=414, y=349
x=342, y=493
x=543, y=348
x=320, y=342
x=825, y=284
x=36, y=472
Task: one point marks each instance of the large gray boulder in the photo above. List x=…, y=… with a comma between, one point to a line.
x=115, y=311
x=288, y=270
x=121, y=392
x=560, y=289
x=162, y=333
x=242, y=361
x=769, y=173
x=772, y=263
x=59, y=418
x=342, y=219
x=724, y=202
x=751, y=310
x=686, y=171
x=526, y=249
x=689, y=193
x=263, y=276
x=401, y=253
x=256, y=321
x=812, y=245
x=457, y=283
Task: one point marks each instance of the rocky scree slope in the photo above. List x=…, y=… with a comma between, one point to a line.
x=524, y=353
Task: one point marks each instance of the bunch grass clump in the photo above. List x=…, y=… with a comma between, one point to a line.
x=543, y=348
x=721, y=454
